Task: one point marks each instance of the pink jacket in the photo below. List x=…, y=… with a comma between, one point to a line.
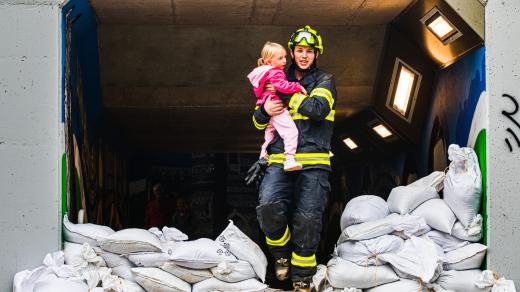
x=261, y=74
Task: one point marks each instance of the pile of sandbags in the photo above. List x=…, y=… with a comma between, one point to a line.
x=96, y=258
x=416, y=240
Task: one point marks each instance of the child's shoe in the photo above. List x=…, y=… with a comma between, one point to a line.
x=291, y=165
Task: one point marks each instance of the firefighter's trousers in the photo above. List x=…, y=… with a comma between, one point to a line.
x=290, y=210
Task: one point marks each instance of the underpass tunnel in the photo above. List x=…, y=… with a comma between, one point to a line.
x=156, y=92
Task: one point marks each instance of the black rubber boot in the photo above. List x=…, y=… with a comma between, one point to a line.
x=281, y=268
x=302, y=286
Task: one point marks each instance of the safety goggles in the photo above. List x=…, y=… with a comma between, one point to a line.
x=305, y=35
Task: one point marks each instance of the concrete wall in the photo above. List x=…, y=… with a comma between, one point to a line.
x=29, y=136
x=503, y=76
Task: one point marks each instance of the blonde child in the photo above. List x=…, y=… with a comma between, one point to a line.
x=270, y=69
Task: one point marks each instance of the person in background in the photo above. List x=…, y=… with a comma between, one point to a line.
x=181, y=219
x=159, y=209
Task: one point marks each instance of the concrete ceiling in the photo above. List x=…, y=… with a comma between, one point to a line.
x=173, y=72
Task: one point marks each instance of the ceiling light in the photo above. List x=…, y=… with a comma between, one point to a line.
x=403, y=92
x=440, y=26
x=350, y=144
x=382, y=131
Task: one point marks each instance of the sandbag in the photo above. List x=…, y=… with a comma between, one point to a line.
x=202, y=253
x=404, y=199
x=363, y=209
x=437, y=214
x=367, y=252
x=132, y=240
x=344, y=274
x=402, y=225
x=467, y=257
x=168, y=234
x=241, y=246
x=418, y=258
x=489, y=279
x=233, y=272
x=473, y=233
x=81, y=233
x=191, y=276
x=332, y=289
x=81, y=256
x=463, y=184
x=157, y=280
x=213, y=284
x=445, y=241
x=148, y=259
x=119, y=264
x=51, y=283
x=405, y=285
x=460, y=281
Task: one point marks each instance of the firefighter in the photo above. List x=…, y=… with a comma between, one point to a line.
x=291, y=204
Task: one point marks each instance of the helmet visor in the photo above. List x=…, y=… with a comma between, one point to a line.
x=305, y=35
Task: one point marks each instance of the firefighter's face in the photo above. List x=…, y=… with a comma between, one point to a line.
x=303, y=56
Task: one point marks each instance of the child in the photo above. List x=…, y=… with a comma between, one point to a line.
x=270, y=69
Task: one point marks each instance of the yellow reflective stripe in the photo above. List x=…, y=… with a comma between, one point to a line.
x=330, y=116
x=282, y=241
x=303, y=158
x=296, y=100
x=325, y=93
x=301, y=261
x=258, y=125
x=298, y=116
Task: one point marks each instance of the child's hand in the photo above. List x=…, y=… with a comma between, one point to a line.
x=304, y=91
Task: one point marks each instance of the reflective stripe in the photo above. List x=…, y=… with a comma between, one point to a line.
x=303, y=158
x=282, y=241
x=301, y=261
x=258, y=125
x=325, y=93
x=298, y=116
x=296, y=100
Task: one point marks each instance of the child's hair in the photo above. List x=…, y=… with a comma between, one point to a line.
x=268, y=52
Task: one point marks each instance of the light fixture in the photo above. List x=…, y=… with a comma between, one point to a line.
x=403, y=90
x=440, y=26
x=382, y=131
x=350, y=143
x=331, y=154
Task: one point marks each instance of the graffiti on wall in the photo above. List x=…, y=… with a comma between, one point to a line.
x=510, y=115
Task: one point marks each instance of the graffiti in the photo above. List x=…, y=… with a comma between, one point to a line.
x=510, y=115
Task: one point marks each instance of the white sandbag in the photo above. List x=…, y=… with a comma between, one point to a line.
x=404, y=199
x=489, y=279
x=406, y=285
x=319, y=280
x=202, y=253
x=191, y=276
x=402, y=225
x=445, y=241
x=168, y=234
x=157, y=280
x=55, y=284
x=460, y=280
x=82, y=256
x=80, y=233
x=119, y=264
x=437, y=214
x=363, y=209
x=332, y=289
x=129, y=286
x=344, y=274
x=419, y=258
x=465, y=258
x=241, y=246
x=463, y=184
x=472, y=233
x=233, y=272
x=367, y=252
x=132, y=240
x=148, y=259
x=213, y=284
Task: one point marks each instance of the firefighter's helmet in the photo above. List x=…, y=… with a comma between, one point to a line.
x=306, y=36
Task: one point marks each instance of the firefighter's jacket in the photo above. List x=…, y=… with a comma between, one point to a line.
x=313, y=116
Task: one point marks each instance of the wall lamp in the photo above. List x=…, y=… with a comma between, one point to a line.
x=403, y=90
x=440, y=26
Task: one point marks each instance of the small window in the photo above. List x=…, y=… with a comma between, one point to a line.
x=403, y=90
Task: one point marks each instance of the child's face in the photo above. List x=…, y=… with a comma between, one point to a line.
x=278, y=60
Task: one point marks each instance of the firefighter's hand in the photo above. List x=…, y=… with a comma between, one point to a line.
x=273, y=107
x=256, y=172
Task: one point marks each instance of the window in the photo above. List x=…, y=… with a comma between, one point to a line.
x=403, y=90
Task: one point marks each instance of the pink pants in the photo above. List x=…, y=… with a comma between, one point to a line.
x=286, y=128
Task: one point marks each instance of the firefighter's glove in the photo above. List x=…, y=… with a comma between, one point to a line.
x=256, y=172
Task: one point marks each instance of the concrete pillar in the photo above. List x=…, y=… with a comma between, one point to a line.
x=29, y=135
x=503, y=166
